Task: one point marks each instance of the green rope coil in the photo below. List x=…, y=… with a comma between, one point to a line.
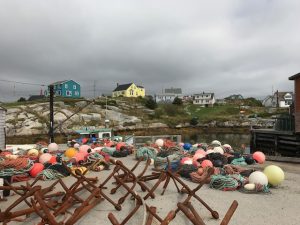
x=108, y=150
x=146, y=152
x=221, y=182
x=50, y=174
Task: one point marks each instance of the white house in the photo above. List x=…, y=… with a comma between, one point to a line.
x=279, y=99
x=204, y=99
x=2, y=127
x=169, y=95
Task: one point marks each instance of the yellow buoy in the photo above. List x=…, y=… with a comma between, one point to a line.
x=274, y=174
x=70, y=152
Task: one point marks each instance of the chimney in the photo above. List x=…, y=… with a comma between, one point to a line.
x=117, y=84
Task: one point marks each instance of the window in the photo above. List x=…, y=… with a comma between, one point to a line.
x=76, y=93
x=68, y=93
x=66, y=85
x=59, y=92
x=131, y=92
x=74, y=86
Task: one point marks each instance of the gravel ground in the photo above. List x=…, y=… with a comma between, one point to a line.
x=279, y=207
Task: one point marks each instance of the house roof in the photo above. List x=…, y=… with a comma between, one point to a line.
x=59, y=82
x=282, y=94
x=294, y=76
x=124, y=87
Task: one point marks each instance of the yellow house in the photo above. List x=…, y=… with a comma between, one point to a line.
x=128, y=90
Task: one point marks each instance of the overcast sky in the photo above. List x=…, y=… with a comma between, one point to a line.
x=247, y=47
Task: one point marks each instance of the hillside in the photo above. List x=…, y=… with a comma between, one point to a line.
x=32, y=118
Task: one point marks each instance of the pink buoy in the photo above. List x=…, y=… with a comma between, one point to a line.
x=76, y=145
x=200, y=151
x=206, y=163
x=198, y=156
x=85, y=149
x=52, y=147
x=36, y=169
x=186, y=160
x=45, y=157
x=259, y=157
x=79, y=156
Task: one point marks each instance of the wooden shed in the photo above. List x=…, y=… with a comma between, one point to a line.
x=296, y=79
x=2, y=127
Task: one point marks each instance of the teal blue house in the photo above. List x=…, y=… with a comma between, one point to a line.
x=66, y=88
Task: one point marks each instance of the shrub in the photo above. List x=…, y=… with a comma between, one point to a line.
x=150, y=103
x=177, y=101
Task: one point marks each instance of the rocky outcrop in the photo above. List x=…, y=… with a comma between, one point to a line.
x=34, y=119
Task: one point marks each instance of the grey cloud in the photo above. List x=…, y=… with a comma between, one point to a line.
x=231, y=47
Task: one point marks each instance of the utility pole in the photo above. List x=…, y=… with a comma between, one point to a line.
x=94, y=88
x=277, y=99
x=51, y=115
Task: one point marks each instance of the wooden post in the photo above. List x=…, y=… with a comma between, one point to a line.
x=51, y=125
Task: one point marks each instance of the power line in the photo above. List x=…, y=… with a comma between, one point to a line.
x=19, y=82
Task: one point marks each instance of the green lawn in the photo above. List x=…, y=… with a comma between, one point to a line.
x=223, y=112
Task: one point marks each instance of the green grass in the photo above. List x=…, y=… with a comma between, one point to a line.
x=223, y=112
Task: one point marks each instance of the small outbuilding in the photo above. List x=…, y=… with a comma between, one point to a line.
x=2, y=127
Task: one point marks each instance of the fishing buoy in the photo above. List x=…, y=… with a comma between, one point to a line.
x=187, y=146
x=43, y=150
x=159, y=142
x=198, y=156
x=52, y=147
x=209, y=151
x=206, y=163
x=200, y=151
x=76, y=145
x=85, y=149
x=119, y=145
x=33, y=152
x=79, y=156
x=70, y=152
x=36, y=169
x=259, y=157
x=45, y=157
x=219, y=149
x=216, y=142
x=186, y=160
x=227, y=147
x=258, y=177
x=151, y=162
x=274, y=174
x=249, y=187
x=53, y=160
